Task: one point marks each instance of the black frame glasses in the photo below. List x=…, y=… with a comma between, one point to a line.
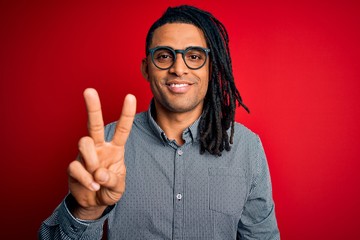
x=192, y=61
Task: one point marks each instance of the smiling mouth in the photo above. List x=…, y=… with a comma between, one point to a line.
x=179, y=88
x=178, y=85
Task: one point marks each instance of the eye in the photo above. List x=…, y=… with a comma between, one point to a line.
x=163, y=55
x=195, y=55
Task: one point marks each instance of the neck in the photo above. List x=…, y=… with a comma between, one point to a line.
x=173, y=123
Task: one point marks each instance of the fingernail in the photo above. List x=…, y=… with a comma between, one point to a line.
x=95, y=186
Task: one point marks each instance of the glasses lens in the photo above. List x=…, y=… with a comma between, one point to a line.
x=163, y=58
x=195, y=57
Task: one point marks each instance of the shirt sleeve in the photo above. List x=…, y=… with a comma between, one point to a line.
x=62, y=225
x=258, y=219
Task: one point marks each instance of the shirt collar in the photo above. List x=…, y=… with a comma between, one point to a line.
x=190, y=134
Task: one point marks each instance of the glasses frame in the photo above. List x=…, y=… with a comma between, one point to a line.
x=175, y=52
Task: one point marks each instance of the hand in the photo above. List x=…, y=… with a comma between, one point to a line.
x=97, y=177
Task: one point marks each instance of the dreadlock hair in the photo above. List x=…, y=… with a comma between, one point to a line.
x=220, y=100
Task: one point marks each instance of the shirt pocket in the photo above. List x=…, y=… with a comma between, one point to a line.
x=227, y=190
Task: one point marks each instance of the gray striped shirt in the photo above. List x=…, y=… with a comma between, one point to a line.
x=173, y=192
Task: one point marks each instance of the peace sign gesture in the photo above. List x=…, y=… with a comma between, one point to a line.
x=97, y=177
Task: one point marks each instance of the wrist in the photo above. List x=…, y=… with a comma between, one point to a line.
x=81, y=213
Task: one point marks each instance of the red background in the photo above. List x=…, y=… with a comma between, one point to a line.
x=296, y=65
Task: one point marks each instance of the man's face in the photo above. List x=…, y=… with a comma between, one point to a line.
x=178, y=89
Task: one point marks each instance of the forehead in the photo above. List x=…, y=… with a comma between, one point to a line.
x=178, y=36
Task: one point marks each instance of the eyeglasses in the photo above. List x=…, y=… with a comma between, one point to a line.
x=165, y=57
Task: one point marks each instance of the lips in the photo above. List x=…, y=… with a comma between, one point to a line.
x=178, y=87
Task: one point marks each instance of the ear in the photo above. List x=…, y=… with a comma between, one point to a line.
x=144, y=69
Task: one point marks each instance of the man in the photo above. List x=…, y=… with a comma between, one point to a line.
x=191, y=172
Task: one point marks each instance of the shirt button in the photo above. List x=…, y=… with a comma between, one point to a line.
x=75, y=229
x=180, y=152
x=179, y=196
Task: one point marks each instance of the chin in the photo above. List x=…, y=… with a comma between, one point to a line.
x=182, y=108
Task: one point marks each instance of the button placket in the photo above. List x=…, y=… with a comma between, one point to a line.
x=178, y=194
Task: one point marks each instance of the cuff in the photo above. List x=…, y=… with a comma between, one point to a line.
x=76, y=228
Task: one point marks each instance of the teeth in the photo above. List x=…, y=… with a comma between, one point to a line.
x=178, y=85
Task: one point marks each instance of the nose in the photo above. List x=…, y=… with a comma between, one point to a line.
x=179, y=67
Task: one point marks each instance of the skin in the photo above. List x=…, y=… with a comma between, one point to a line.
x=177, y=107
x=97, y=177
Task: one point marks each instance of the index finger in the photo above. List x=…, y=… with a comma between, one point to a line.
x=125, y=122
x=95, y=119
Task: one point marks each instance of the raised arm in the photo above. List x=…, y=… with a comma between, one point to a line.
x=96, y=177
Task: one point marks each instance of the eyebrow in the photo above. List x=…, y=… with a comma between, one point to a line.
x=178, y=49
